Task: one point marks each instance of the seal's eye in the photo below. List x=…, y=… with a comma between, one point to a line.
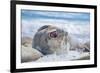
x=53, y=34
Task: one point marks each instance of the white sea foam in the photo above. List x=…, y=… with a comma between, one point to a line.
x=72, y=55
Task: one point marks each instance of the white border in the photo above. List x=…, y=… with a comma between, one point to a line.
x=20, y=65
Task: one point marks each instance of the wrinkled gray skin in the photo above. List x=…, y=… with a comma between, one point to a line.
x=40, y=43
x=41, y=38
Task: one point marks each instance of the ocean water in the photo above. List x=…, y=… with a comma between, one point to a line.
x=76, y=24
x=77, y=29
